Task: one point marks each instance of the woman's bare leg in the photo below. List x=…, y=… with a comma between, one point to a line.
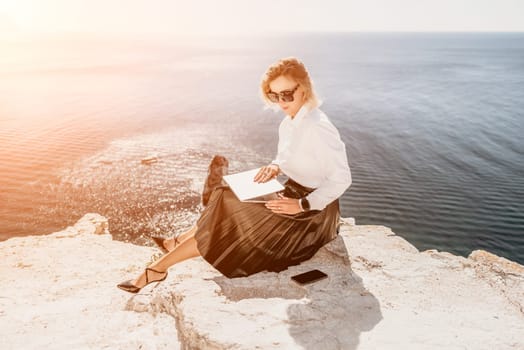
x=185, y=250
x=170, y=243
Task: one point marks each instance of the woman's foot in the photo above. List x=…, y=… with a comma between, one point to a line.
x=150, y=275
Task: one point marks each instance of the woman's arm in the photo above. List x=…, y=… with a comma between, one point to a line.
x=280, y=148
x=332, y=160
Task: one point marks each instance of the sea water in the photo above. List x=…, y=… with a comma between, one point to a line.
x=432, y=123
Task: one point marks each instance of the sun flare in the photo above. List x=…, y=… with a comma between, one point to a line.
x=20, y=13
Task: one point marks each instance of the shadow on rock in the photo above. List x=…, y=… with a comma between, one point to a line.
x=330, y=313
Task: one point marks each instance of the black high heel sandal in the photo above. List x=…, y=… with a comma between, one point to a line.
x=131, y=288
x=160, y=243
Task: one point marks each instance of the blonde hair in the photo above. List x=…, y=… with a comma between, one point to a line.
x=292, y=68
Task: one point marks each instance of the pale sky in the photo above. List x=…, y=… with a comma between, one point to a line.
x=246, y=17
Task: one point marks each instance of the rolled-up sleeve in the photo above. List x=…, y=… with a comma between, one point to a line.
x=277, y=159
x=331, y=153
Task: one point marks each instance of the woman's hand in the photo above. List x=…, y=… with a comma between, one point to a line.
x=266, y=173
x=284, y=205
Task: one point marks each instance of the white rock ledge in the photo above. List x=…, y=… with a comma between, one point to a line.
x=59, y=292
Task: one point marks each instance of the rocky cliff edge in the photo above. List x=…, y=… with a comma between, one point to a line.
x=59, y=291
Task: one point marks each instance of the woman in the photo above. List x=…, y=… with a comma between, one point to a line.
x=240, y=239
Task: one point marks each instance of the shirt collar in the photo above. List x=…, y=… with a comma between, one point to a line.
x=300, y=115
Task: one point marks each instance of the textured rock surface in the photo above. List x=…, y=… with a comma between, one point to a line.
x=59, y=292
x=382, y=293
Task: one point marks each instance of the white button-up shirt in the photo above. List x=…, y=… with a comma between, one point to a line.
x=311, y=152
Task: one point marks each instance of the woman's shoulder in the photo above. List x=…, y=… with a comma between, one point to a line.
x=318, y=121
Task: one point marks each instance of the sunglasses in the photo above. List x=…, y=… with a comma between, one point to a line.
x=286, y=95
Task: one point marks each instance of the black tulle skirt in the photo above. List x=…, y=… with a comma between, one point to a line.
x=240, y=239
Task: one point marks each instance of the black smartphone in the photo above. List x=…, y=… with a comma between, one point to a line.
x=309, y=277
